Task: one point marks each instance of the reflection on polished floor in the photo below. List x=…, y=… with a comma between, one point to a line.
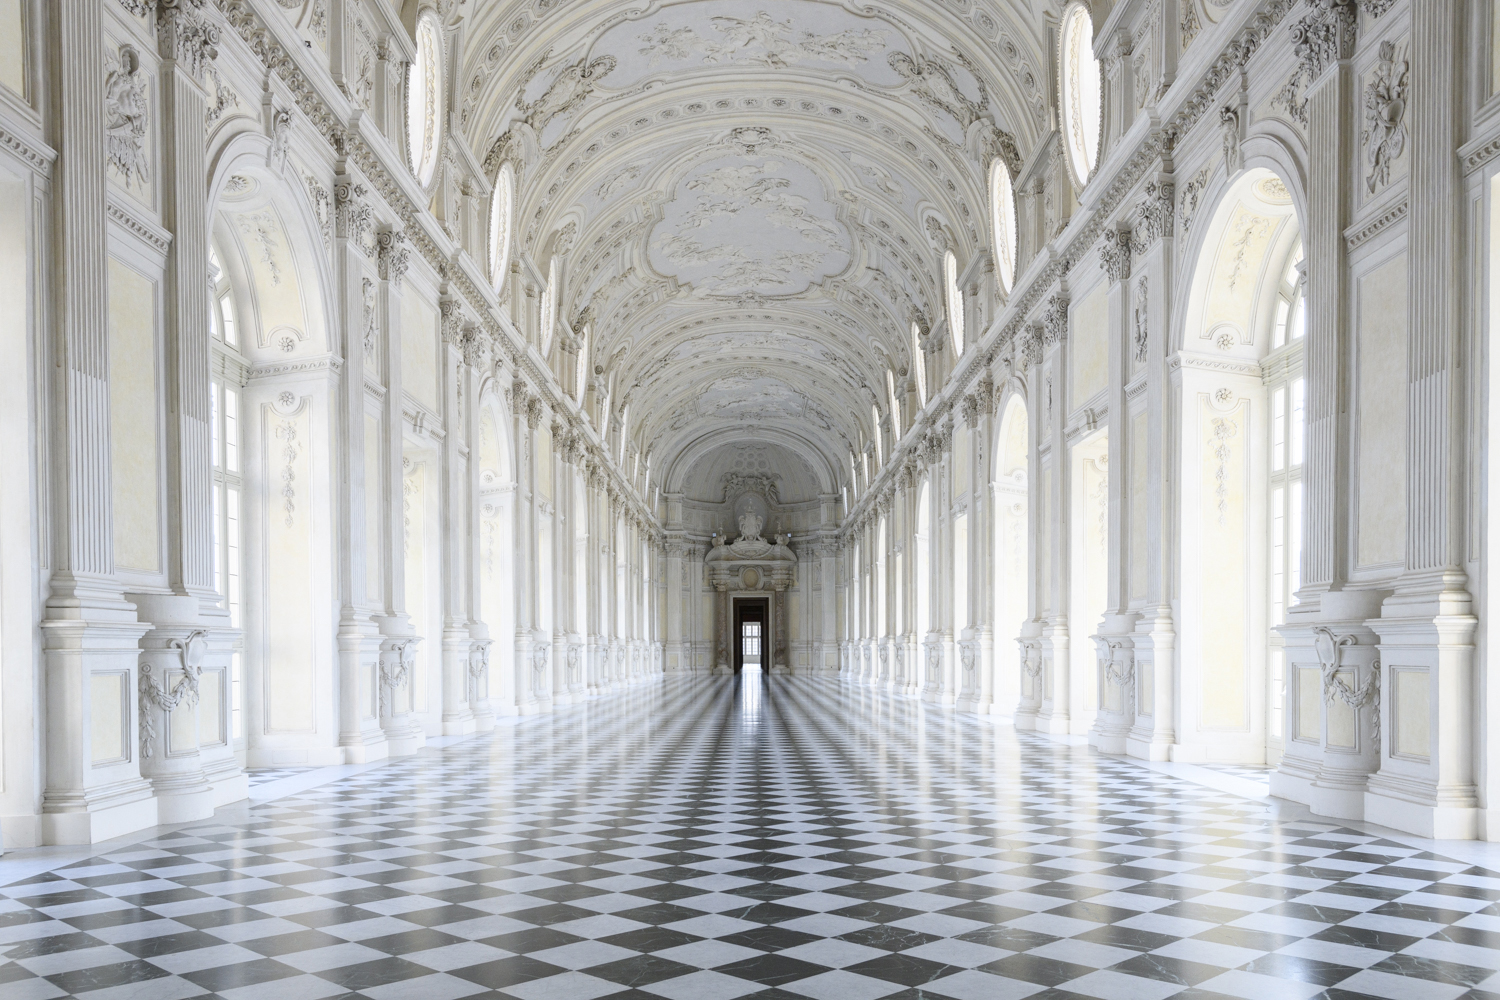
x=776, y=837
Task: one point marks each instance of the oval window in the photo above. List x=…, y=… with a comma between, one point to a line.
x=502, y=205
x=1082, y=92
x=1003, y=217
x=424, y=99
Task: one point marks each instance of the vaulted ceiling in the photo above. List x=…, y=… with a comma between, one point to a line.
x=745, y=191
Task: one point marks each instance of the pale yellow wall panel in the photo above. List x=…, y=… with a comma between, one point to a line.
x=287, y=667
x=1223, y=440
x=1413, y=713
x=1381, y=425
x=12, y=46
x=132, y=414
x=419, y=365
x=107, y=716
x=1089, y=346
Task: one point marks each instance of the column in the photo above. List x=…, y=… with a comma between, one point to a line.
x=363, y=492
x=89, y=632
x=1115, y=650
x=476, y=360
x=398, y=648
x=174, y=761
x=458, y=532
x=1056, y=488
x=1427, y=627
x=1154, y=640
x=1032, y=665
x=1325, y=607
x=976, y=640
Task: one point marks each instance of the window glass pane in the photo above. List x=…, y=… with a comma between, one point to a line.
x=1299, y=324
x=232, y=554
x=1299, y=397
x=231, y=430
x=1277, y=695
x=237, y=726
x=1283, y=310
x=1294, y=542
x=226, y=316
x=219, y=537
x=213, y=420
x=1278, y=429
x=1278, y=556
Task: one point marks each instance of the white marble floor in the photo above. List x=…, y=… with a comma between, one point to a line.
x=769, y=837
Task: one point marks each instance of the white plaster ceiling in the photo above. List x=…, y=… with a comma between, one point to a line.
x=750, y=185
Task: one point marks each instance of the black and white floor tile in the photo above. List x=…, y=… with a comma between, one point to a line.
x=258, y=776
x=777, y=838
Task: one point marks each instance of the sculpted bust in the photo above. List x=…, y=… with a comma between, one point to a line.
x=750, y=525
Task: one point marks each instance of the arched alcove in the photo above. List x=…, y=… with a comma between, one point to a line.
x=1241, y=403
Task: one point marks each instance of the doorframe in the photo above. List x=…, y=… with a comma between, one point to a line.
x=766, y=650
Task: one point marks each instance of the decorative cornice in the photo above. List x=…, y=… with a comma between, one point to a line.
x=1355, y=236
x=36, y=155
x=153, y=235
x=1194, y=362
x=326, y=363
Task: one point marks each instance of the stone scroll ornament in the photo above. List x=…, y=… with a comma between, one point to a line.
x=154, y=694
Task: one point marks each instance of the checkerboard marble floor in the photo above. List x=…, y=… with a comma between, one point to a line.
x=707, y=839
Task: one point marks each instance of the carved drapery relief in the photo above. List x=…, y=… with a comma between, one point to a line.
x=1330, y=649
x=154, y=695
x=367, y=290
x=1384, y=134
x=126, y=106
x=1224, y=430
x=1140, y=321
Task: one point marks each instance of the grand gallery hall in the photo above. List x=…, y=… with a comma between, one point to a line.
x=783, y=499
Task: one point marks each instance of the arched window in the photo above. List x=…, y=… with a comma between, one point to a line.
x=875, y=435
x=1081, y=90
x=502, y=207
x=1003, y=218
x=228, y=475
x=424, y=99
x=955, y=301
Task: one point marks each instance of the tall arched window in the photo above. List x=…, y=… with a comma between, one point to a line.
x=955, y=301
x=1003, y=218
x=875, y=435
x=502, y=208
x=424, y=99
x=225, y=386
x=1081, y=90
